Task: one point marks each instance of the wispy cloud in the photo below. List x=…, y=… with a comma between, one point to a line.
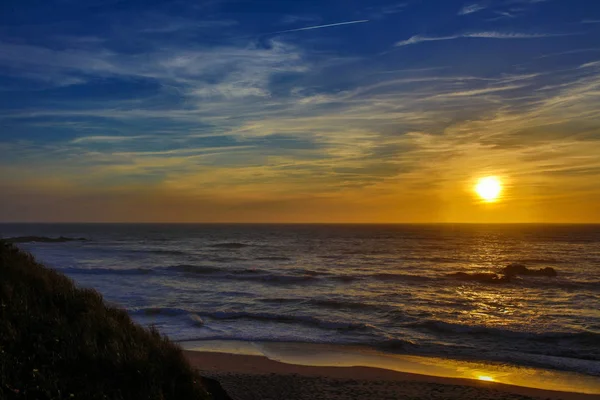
x=257, y=129
x=243, y=71
x=591, y=21
x=505, y=14
x=471, y=8
x=485, y=35
x=575, y=51
x=107, y=139
x=390, y=9
x=591, y=64
x=476, y=92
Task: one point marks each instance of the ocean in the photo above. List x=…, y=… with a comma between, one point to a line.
x=386, y=287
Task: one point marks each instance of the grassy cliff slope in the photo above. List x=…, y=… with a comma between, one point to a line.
x=61, y=342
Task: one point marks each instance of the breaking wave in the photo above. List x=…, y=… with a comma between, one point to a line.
x=105, y=271
x=229, y=245
x=261, y=316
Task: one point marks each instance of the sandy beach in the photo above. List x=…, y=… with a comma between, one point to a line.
x=251, y=377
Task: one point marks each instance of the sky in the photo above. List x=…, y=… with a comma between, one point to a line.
x=299, y=111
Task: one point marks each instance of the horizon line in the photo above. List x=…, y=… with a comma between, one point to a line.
x=289, y=223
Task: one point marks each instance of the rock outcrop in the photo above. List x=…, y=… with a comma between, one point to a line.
x=516, y=269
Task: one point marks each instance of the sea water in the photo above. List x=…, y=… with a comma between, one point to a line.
x=382, y=287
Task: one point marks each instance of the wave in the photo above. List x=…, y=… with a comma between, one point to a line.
x=290, y=276
x=244, y=274
x=241, y=274
x=390, y=276
x=311, y=272
x=323, y=303
x=281, y=300
x=346, y=278
x=304, y=274
x=196, y=320
x=106, y=271
x=273, y=258
x=301, y=275
x=525, y=281
x=286, y=318
x=229, y=245
x=560, y=284
x=369, y=252
x=194, y=269
x=226, y=259
x=538, y=261
x=343, y=304
x=193, y=318
x=581, y=337
x=277, y=278
x=393, y=345
x=159, y=311
x=200, y=318
x=567, y=345
x=441, y=260
x=165, y=252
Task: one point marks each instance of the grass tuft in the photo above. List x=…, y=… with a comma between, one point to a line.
x=58, y=341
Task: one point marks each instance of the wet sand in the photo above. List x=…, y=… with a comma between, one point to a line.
x=252, y=377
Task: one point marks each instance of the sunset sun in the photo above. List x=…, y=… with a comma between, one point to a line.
x=489, y=188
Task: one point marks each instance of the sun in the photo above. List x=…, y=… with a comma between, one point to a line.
x=489, y=188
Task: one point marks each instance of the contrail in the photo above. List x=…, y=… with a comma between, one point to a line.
x=308, y=28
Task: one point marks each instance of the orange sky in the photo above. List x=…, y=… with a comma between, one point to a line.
x=390, y=117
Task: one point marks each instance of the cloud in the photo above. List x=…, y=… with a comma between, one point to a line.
x=509, y=35
x=202, y=71
x=575, y=51
x=475, y=92
x=591, y=64
x=106, y=139
x=385, y=11
x=504, y=14
x=591, y=21
x=272, y=127
x=472, y=8
x=485, y=35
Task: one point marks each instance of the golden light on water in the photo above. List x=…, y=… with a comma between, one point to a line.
x=485, y=378
x=489, y=188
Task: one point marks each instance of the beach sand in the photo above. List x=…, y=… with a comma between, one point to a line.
x=252, y=377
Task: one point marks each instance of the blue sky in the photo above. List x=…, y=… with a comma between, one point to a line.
x=350, y=111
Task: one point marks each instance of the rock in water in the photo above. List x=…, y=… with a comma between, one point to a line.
x=520, y=269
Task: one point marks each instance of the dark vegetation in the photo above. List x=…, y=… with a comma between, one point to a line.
x=61, y=342
x=43, y=239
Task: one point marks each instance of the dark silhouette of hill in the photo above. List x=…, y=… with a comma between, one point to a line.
x=58, y=341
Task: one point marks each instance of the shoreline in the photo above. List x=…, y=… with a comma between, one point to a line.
x=249, y=377
x=284, y=356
